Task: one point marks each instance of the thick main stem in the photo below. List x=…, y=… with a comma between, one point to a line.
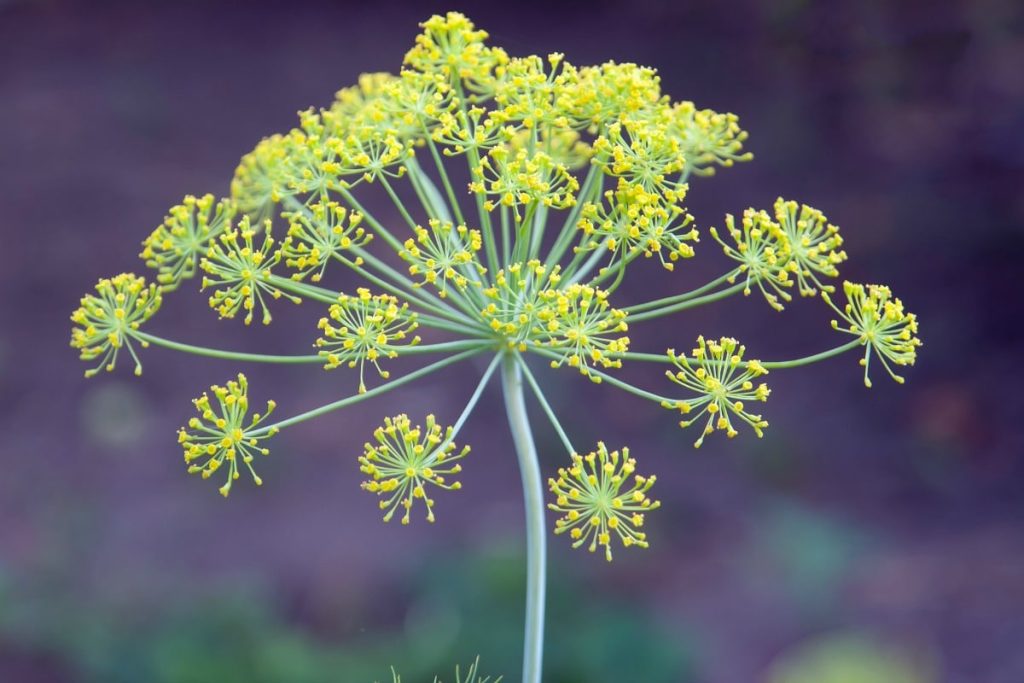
x=533, y=496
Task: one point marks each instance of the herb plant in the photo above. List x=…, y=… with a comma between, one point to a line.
x=575, y=176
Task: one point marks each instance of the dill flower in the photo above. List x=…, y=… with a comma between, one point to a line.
x=453, y=47
x=527, y=94
x=603, y=94
x=513, y=301
x=107, y=321
x=320, y=234
x=176, y=245
x=632, y=221
x=579, y=323
x=762, y=250
x=472, y=131
x=444, y=253
x=370, y=153
x=369, y=328
x=518, y=178
x=644, y=154
x=876, y=317
x=259, y=180
x=600, y=495
x=813, y=245
x=723, y=381
x=221, y=434
x=241, y=273
x=405, y=460
x=707, y=138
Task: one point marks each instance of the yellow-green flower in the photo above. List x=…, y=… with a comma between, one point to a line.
x=224, y=433
x=513, y=301
x=406, y=460
x=581, y=326
x=369, y=328
x=174, y=248
x=601, y=95
x=632, y=221
x=322, y=233
x=241, y=273
x=723, y=382
x=707, y=138
x=762, y=250
x=598, y=496
x=108, y=321
x=517, y=178
x=876, y=317
x=813, y=245
x=444, y=253
x=260, y=181
x=454, y=48
x=642, y=153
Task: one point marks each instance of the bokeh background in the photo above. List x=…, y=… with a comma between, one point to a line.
x=870, y=537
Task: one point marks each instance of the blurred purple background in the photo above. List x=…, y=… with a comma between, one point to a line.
x=878, y=534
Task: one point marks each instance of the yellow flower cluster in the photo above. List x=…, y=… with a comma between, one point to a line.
x=174, y=248
x=407, y=459
x=799, y=245
x=632, y=221
x=443, y=253
x=241, y=273
x=516, y=178
x=453, y=47
x=513, y=301
x=707, y=138
x=369, y=328
x=600, y=495
x=644, y=154
x=878, y=320
x=107, y=321
x=221, y=434
x=723, y=381
x=319, y=234
x=578, y=322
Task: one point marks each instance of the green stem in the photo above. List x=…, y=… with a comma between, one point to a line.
x=807, y=360
x=683, y=305
x=533, y=495
x=227, y=355
x=545, y=405
x=376, y=391
x=768, y=365
x=685, y=296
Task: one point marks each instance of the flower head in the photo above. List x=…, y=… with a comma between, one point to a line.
x=601, y=95
x=877, y=318
x=581, y=326
x=322, y=233
x=109, y=320
x=222, y=433
x=513, y=301
x=444, y=253
x=241, y=273
x=175, y=247
x=707, y=138
x=600, y=495
x=723, y=382
x=405, y=460
x=260, y=181
x=762, y=250
x=369, y=328
x=813, y=245
x=632, y=221
x=454, y=48
x=517, y=178
x=644, y=154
